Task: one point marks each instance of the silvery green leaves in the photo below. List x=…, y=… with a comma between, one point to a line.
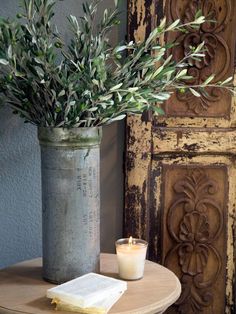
x=88, y=83
x=4, y=62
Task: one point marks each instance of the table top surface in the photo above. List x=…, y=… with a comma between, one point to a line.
x=22, y=290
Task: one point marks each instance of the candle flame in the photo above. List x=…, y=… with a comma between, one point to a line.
x=130, y=241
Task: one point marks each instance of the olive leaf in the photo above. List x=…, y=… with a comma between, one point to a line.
x=88, y=82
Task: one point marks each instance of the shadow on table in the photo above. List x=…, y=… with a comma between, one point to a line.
x=113, y=275
x=43, y=304
x=33, y=272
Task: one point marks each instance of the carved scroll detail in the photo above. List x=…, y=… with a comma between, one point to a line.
x=217, y=58
x=194, y=236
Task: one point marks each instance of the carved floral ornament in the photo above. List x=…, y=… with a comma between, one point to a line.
x=217, y=56
x=194, y=239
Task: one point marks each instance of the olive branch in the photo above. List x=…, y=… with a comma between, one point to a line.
x=89, y=83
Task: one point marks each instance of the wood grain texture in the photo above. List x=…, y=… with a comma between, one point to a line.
x=143, y=16
x=220, y=170
x=191, y=160
x=138, y=158
x=219, y=57
x=194, y=202
x=22, y=290
x=218, y=108
x=200, y=141
x=197, y=189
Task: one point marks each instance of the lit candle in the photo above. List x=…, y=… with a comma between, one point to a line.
x=131, y=255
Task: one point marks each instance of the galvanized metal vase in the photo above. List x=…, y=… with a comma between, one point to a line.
x=70, y=160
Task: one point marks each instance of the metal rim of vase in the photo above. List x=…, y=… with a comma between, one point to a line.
x=74, y=137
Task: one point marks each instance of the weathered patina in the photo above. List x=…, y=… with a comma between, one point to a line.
x=181, y=168
x=70, y=161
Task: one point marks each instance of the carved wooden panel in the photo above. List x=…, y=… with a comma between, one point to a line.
x=181, y=168
x=219, y=57
x=192, y=204
x=193, y=216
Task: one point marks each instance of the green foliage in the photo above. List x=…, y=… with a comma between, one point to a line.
x=88, y=83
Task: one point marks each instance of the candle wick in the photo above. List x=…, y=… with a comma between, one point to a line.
x=130, y=241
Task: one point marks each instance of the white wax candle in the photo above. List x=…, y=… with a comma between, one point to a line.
x=131, y=258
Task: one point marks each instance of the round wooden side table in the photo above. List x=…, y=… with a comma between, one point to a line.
x=22, y=290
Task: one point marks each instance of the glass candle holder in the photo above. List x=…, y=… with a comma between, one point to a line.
x=131, y=255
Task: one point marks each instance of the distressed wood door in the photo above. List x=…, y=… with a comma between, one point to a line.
x=181, y=168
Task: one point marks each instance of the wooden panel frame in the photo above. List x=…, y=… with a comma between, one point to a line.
x=159, y=209
x=187, y=141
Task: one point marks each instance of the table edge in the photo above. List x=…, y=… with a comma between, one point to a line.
x=159, y=306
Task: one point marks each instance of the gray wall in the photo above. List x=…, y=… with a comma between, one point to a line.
x=20, y=191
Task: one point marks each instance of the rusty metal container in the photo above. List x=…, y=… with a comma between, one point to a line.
x=70, y=160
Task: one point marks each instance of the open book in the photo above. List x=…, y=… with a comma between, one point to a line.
x=91, y=293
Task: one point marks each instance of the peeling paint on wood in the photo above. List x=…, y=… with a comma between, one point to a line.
x=227, y=206
x=141, y=18
x=188, y=144
x=201, y=140
x=136, y=219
